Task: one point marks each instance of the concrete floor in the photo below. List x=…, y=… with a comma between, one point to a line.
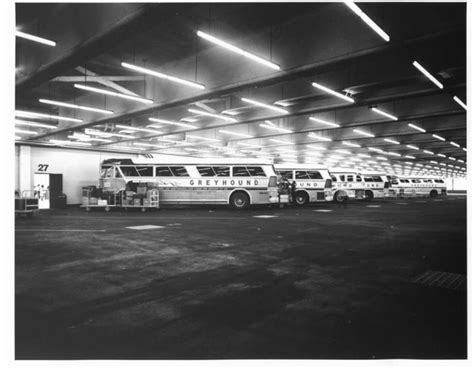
x=216, y=283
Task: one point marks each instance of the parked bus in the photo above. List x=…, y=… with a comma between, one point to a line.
x=312, y=184
x=346, y=184
x=418, y=186
x=236, y=182
x=376, y=185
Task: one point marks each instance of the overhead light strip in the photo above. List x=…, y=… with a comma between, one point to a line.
x=237, y=50
x=236, y=134
x=139, y=129
x=427, y=74
x=416, y=127
x=163, y=75
x=459, y=101
x=75, y=106
x=367, y=20
x=159, y=120
x=327, y=123
x=438, y=137
x=392, y=141
x=282, y=141
x=275, y=128
x=315, y=136
x=351, y=144
x=30, y=37
x=263, y=105
x=383, y=113
x=21, y=131
x=113, y=93
x=201, y=137
x=363, y=133
x=204, y=113
x=33, y=124
x=21, y=113
x=332, y=92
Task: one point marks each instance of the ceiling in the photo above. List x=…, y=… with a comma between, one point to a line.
x=326, y=43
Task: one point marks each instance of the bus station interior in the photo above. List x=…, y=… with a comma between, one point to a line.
x=262, y=86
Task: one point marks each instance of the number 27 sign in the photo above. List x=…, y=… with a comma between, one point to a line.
x=43, y=167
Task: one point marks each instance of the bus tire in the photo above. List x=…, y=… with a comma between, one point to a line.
x=239, y=200
x=433, y=193
x=301, y=198
x=369, y=195
x=339, y=197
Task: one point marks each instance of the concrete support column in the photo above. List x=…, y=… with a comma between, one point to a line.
x=24, y=169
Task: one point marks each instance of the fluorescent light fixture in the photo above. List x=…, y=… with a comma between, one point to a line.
x=139, y=129
x=409, y=163
x=427, y=74
x=332, y=92
x=204, y=113
x=460, y=160
x=454, y=144
x=20, y=131
x=100, y=139
x=30, y=37
x=163, y=75
x=33, y=124
x=75, y=106
x=146, y=144
x=382, y=158
x=383, y=113
x=22, y=113
x=433, y=162
x=459, y=101
x=248, y=144
x=315, y=136
x=416, y=127
x=452, y=158
x=441, y=155
x=275, y=128
x=347, y=143
x=113, y=93
x=124, y=136
x=17, y=138
x=428, y=152
x=392, y=141
x=394, y=154
x=367, y=20
x=438, y=137
x=363, y=133
x=413, y=147
x=324, y=122
x=236, y=133
x=201, y=137
x=237, y=50
x=343, y=151
x=464, y=149
x=68, y=142
x=263, y=105
x=281, y=141
x=375, y=149
x=364, y=155
x=159, y=120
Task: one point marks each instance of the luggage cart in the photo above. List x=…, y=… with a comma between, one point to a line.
x=27, y=204
x=89, y=202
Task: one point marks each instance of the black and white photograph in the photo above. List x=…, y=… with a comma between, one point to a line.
x=230, y=181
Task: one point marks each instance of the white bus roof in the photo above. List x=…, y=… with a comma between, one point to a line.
x=299, y=166
x=194, y=160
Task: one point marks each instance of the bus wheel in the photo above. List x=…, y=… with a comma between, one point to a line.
x=369, y=195
x=339, y=197
x=433, y=193
x=301, y=198
x=239, y=200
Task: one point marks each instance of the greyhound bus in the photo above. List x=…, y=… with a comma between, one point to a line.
x=418, y=186
x=312, y=184
x=236, y=182
x=346, y=184
x=377, y=185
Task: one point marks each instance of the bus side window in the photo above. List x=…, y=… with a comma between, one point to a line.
x=333, y=178
x=377, y=179
x=179, y=171
x=315, y=175
x=350, y=178
x=301, y=175
x=163, y=171
x=222, y=171
x=286, y=174
x=358, y=178
x=145, y=170
x=342, y=177
x=129, y=171
x=368, y=179
x=205, y=171
x=240, y=172
x=255, y=171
